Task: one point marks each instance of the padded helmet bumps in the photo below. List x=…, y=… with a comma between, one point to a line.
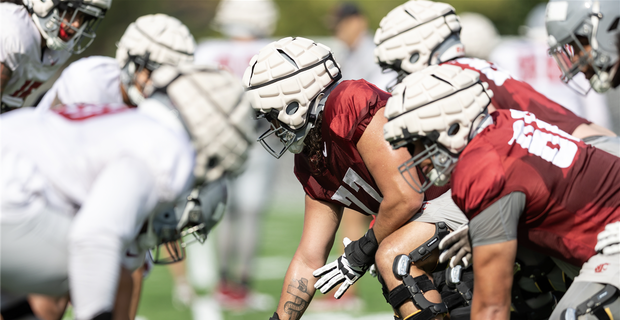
x=439, y=102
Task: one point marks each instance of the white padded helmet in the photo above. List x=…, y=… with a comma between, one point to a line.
x=417, y=34
x=149, y=42
x=48, y=16
x=211, y=105
x=286, y=82
x=439, y=105
x=478, y=35
x=246, y=18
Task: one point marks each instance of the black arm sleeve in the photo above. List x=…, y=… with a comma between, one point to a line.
x=498, y=223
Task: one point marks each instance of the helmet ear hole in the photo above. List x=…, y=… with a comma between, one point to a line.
x=212, y=162
x=292, y=107
x=454, y=129
x=414, y=57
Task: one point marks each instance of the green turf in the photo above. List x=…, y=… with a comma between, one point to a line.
x=280, y=236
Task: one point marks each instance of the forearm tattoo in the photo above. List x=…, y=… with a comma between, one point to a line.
x=5, y=76
x=298, y=289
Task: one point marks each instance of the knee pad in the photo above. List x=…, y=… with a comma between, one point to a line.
x=534, y=292
x=422, y=252
x=597, y=305
x=413, y=289
x=456, y=286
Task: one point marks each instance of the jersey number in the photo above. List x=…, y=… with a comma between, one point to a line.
x=26, y=89
x=346, y=197
x=545, y=141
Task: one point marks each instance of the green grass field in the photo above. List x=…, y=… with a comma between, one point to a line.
x=281, y=232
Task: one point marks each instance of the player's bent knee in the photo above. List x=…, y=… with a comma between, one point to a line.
x=603, y=305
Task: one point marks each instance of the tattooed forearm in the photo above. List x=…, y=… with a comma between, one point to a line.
x=299, y=290
x=5, y=76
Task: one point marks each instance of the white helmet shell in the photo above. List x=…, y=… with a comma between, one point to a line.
x=164, y=38
x=440, y=102
x=287, y=75
x=216, y=115
x=246, y=18
x=48, y=16
x=478, y=35
x=417, y=34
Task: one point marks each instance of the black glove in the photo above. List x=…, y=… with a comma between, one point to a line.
x=357, y=258
x=275, y=316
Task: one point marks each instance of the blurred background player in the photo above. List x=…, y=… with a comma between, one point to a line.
x=38, y=37
x=246, y=26
x=349, y=24
x=527, y=59
x=584, y=37
x=83, y=234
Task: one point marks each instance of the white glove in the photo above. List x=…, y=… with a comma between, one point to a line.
x=456, y=247
x=338, y=272
x=609, y=239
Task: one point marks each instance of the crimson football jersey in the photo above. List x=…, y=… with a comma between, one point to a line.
x=571, y=188
x=346, y=181
x=509, y=93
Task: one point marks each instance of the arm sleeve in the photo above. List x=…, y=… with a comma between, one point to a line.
x=118, y=203
x=11, y=50
x=498, y=223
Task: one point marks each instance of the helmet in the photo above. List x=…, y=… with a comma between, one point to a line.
x=94, y=79
x=570, y=24
x=196, y=213
x=49, y=15
x=149, y=42
x=478, y=35
x=211, y=105
x=285, y=84
x=441, y=106
x=246, y=18
x=417, y=34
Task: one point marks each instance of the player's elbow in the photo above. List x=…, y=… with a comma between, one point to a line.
x=490, y=308
x=402, y=205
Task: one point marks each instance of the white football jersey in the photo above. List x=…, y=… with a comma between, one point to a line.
x=20, y=51
x=94, y=79
x=527, y=60
x=232, y=54
x=72, y=145
x=108, y=168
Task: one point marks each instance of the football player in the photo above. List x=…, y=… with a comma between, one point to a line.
x=148, y=43
x=421, y=33
x=86, y=183
x=246, y=26
x=584, y=36
x=518, y=179
x=335, y=130
x=38, y=37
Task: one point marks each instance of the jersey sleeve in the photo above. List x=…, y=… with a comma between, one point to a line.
x=119, y=202
x=353, y=105
x=498, y=223
x=11, y=50
x=478, y=178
